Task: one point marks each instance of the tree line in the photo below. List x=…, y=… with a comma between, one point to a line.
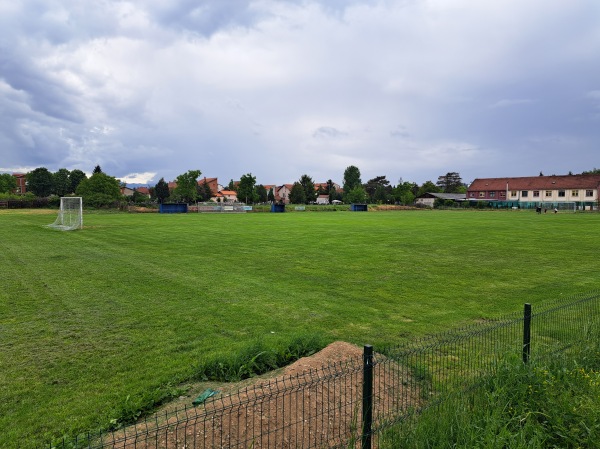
x=376, y=190
x=101, y=189
x=97, y=190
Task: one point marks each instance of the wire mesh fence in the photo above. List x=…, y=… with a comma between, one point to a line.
x=229, y=207
x=360, y=402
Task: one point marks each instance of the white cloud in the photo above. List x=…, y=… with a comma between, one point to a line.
x=594, y=95
x=138, y=178
x=328, y=132
x=161, y=88
x=510, y=102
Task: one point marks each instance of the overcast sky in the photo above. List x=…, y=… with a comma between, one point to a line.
x=408, y=89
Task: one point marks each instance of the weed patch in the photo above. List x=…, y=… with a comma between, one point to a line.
x=547, y=404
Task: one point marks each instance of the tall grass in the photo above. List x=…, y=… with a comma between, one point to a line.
x=548, y=403
x=100, y=324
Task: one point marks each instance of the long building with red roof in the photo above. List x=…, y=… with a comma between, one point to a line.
x=576, y=191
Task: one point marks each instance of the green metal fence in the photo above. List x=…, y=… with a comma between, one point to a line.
x=354, y=402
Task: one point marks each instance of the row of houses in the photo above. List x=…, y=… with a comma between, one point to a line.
x=281, y=192
x=579, y=192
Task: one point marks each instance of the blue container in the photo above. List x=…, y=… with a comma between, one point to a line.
x=277, y=207
x=359, y=207
x=173, y=208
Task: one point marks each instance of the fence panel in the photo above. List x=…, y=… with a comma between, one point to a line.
x=323, y=408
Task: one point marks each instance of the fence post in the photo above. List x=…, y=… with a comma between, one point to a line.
x=367, y=400
x=526, y=332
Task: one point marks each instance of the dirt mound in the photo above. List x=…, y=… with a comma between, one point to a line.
x=315, y=402
x=335, y=353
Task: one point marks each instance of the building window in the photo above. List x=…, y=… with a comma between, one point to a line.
x=574, y=192
x=536, y=193
x=513, y=193
x=472, y=194
x=481, y=194
x=561, y=193
x=492, y=194
x=524, y=193
x=589, y=193
x=548, y=193
x=502, y=194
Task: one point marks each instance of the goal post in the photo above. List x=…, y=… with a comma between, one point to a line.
x=70, y=214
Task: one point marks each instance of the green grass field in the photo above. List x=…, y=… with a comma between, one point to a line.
x=96, y=320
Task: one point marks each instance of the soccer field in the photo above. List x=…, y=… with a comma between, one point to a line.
x=92, y=320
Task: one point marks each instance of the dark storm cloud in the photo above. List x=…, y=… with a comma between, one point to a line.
x=44, y=94
x=409, y=88
x=328, y=132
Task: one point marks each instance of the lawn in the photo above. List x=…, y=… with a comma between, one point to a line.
x=95, y=320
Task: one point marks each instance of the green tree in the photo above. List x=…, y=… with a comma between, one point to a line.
x=450, y=183
x=161, y=190
x=381, y=194
x=351, y=178
x=99, y=190
x=246, y=190
x=8, y=183
x=97, y=169
x=428, y=186
x=271, y=195
x=357, y=195
x=594, y=171
x=331, y=192
x=139, y=197
x=261, y=191
x=407, y=198
x=231, y=186
x=378, y=189
x=40, y=181
x=186, y=186
x=61, y=181
x=297, y=194
x=404, y=192
x=75, y=177
x=310, y=195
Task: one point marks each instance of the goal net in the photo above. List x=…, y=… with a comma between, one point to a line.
x=70, y=215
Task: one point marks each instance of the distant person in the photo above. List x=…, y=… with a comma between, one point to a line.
x=555, y=210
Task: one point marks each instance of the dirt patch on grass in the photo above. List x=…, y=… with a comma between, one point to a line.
x=142, y=210
x=380, y=207
x=314, y=402
x=29, y=211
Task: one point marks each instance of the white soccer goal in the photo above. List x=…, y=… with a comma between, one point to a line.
x=70, y=215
